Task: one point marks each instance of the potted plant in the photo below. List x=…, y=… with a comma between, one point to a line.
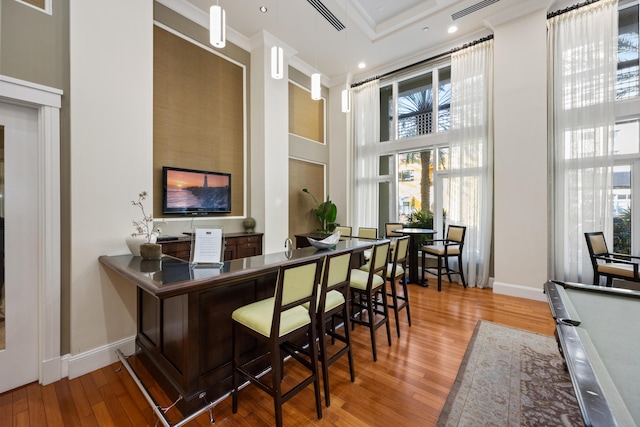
x=326, y=212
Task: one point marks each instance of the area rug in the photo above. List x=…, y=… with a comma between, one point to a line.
x=511, y=377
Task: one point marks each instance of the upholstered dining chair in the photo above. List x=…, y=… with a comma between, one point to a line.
x=277, y=322
x=333, y=312
x=344, y=230
x=396, y=275
x=443, y=250
x=368, y=291
x=607, y=264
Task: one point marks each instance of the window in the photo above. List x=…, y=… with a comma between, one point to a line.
x=411, y=107
x=627, y=85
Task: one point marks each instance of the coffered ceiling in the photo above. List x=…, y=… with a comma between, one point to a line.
x=383, y=34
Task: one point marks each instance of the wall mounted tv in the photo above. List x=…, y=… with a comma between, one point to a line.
x=195, y=192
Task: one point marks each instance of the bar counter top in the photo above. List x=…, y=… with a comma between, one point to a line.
x=171, y=276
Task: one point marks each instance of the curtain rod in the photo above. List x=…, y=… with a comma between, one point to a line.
x=570, y=8
x=455, y=49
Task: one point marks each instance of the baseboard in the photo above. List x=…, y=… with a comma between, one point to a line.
x=97, y=358
x=519, y=291
x=51, y=371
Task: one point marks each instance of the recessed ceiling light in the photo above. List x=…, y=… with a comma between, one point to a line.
x=263, y=9
x=425, y=29
x=452, y=29
x=362, y=65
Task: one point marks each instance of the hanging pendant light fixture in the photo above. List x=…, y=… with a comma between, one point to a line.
x=346, y=99
x=346, y=92
x=217, y=26
x=277, y=53
x=277, y=62
x=315, y=77
x=315, y=86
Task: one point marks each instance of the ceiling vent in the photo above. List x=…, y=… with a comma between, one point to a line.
x=322, y=9
x=473, y=8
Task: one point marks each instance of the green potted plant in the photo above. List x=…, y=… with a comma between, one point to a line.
x=326, y=213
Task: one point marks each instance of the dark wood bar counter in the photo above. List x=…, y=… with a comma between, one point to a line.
x=184, y=315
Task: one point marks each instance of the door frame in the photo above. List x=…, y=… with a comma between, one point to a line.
x=47, y=101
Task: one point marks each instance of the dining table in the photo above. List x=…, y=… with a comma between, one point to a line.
x=414, y=248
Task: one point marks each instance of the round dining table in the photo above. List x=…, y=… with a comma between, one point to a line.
x=414, y=239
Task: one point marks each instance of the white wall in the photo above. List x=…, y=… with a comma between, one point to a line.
x=520, y=112
x=111, y=162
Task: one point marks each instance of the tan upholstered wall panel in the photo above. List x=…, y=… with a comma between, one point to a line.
x=306, y=116
x=310, y=176
x=198, y=118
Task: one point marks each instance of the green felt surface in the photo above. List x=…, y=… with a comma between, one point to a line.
x=611, y=323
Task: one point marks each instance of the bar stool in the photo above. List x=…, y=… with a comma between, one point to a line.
x=332, y=303
x=397, y=278
x=368, y=291
x=277, y=321
x=345, y=230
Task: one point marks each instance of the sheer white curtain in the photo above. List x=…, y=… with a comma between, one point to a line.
x=470, y=198
x=582, y=47
x=366, y=137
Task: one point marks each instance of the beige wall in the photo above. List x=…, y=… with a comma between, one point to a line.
x=111, y=162
x=520, y=160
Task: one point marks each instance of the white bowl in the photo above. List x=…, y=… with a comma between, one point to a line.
x=326, y=243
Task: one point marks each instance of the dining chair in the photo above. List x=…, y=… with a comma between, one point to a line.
x=396, y=275
x=443, y=250
x=607, y=264
x=277, y=322
x=345, y=230
x=368, y=292
x=333, y=315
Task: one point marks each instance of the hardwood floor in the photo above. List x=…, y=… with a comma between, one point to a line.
x=407, y=386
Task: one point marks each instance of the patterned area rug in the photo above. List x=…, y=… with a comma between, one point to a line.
x=511, y=377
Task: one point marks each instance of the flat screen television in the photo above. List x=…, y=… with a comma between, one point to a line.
x=195, y=192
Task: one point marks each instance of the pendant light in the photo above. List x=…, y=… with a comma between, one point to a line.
x=346, y=92
x=315, y=77
x=346, y=99
x=315, y=86
x=277, y=53
x=277, y=62
x=217, y=26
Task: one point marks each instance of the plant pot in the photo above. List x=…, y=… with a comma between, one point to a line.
x=151, y=251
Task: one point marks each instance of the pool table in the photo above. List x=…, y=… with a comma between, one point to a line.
x=598, y=336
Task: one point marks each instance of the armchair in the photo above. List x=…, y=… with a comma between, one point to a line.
x=610, y=264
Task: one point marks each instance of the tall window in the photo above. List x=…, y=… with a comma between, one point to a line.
x=412, y=110
x=626, y=172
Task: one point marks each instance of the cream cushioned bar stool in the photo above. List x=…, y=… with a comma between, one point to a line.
x=396, y=275
x=344, y=230
x=332, y=307
x=368, y=291
x=367, y=233
x=277, y=321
